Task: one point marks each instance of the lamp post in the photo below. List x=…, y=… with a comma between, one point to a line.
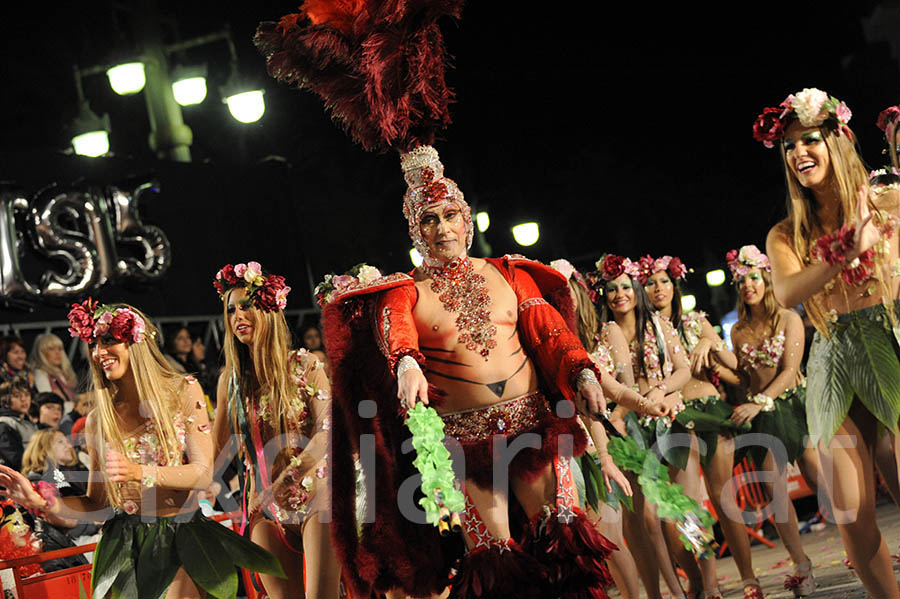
x=170, y=138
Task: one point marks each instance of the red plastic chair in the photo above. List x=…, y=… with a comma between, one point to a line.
x=71, y=582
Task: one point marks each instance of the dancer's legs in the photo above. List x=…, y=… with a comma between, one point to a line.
x=264, y=533
x=183, y=587
x=663, y=556
x=621, y=562
x=323, y=571
x=785, y=516
x=718, y=477
x=849, y=475
x=705, y=576
x=639, y=542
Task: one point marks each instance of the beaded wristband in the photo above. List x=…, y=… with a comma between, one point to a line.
x=586, y=377
x=767, y=403
x=719, y=346
x=407, y=363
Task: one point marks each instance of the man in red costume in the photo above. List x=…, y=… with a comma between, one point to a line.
x=500, y=362
x=474, y=338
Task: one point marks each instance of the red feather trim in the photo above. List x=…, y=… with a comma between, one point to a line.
x=378, y=66
x=419, y=560
x=574, y=554
x=498, y=573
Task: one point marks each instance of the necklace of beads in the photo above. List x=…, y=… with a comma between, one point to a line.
x=464, y=291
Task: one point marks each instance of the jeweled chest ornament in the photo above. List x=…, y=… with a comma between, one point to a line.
x=464, y=291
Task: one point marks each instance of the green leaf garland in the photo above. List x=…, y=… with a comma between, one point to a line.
x=433, y=462
x=668, y=497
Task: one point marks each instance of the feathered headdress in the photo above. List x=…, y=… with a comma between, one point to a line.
x=379, y=68
x=377, y=65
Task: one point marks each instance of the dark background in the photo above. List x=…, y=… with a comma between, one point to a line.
x=618, y=127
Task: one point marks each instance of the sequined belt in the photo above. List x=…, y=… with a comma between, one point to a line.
x=510, y=418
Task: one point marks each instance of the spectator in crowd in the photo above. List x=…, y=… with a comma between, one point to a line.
x=311, y=336
x=50, y=456
x=15, y=427
x=52, y=370
x=84, y=403
x=13, y=365
x=187, y=355
x=50, y=410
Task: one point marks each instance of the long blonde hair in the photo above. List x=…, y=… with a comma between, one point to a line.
x=38, y=362
x=849, y=175
x=39, y=448
x=264, y=370
x=588, y=321
x=159, y=388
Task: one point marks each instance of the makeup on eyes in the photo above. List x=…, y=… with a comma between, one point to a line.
x=808, y=138
x=613, y=287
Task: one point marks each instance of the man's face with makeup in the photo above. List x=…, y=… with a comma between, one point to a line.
x=444, y=231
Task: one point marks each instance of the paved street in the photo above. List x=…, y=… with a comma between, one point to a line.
x=825, y=549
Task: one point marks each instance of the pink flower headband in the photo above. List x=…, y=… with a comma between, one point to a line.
x=565, y=268
x=610, y=267
x=749, y=256
x=266, y=292
x=673, y=265
x=811, y=107
x=91, y=321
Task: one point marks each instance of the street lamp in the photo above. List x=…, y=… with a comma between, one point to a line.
x=416, y=257
x=189, y=84
x=247, y=107
x=526, y=234
x=127, y=78
x=483, y=220
x=715, y=278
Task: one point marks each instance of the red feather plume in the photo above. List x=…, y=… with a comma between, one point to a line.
x=378, y=66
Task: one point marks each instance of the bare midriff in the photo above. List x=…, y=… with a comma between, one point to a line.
x=697, y=388
x=468, y=379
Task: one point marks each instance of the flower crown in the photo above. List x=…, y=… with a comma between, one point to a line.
x=91, y=320
x=566, y=269
x=811, y=107
x=360, y=275
x=610, y=267
x=749, y=256
x=670, y=264
x=266, y=292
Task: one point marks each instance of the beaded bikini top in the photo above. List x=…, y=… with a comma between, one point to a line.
x=766, y=355
x=145, y=448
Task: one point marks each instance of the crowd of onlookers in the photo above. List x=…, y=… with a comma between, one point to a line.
x=44, y=403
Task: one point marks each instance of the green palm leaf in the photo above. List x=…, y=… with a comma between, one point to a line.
x=244, y=552
x=829, y=393
x=113, y=554
x=157, y=562
x=874, y=373
x=206, y=562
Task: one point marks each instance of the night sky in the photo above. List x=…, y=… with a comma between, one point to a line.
x=620, y=127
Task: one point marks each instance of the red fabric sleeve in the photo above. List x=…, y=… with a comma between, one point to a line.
x=556, y=349
x=395, y=327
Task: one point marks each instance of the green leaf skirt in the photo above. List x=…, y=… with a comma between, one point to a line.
x=860, y=359
x=785, y=424
x=706, y=417
x=137, y=557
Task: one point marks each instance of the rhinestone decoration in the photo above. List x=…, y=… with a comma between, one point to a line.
x=464, y=291
x=511, y=417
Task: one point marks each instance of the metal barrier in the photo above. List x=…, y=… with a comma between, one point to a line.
x=213, y=329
